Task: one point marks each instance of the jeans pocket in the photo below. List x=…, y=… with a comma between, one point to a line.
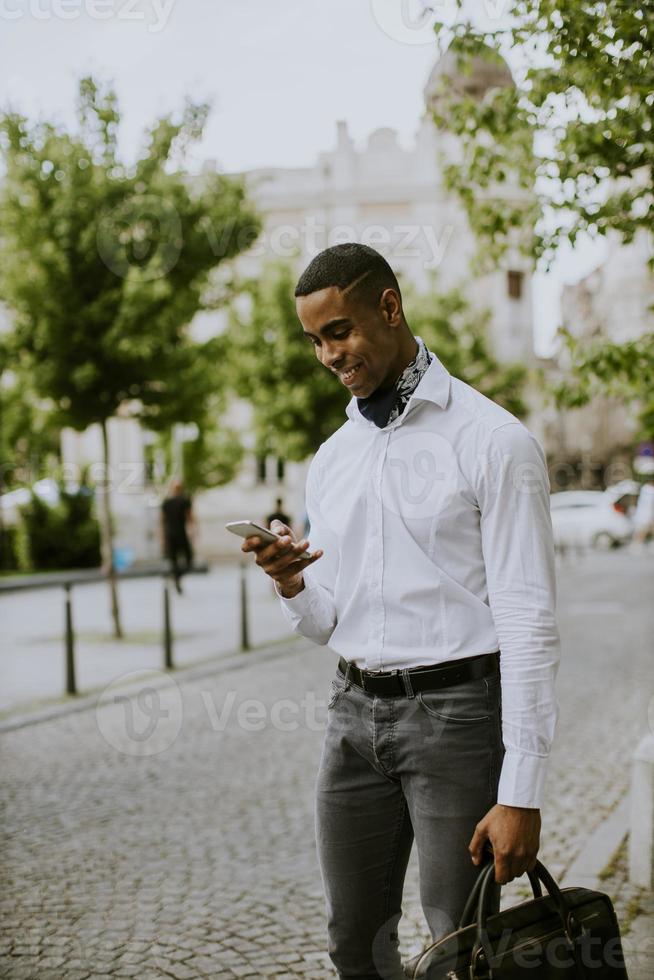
x=465, y=704
x=338, y=687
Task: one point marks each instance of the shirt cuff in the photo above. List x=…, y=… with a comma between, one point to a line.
x=522, y=780
x=299, y=605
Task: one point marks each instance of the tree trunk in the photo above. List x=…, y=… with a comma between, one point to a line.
x=107, y=536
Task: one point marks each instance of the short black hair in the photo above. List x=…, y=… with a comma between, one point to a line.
x=345, y=266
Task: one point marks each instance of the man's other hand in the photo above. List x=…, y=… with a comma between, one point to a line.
x=283, y=560
x=514, y=833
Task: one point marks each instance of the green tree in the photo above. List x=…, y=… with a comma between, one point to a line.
x=296, y=403
x=29, y=440
x=575, y=132
x=622, y=371
x=458, y=335
x=574, y=137
x=104, y=265
x=63, y=536
x=212, y=458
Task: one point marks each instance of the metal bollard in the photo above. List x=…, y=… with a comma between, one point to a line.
x=245, y=635
x=71, y=685
x=167, y=632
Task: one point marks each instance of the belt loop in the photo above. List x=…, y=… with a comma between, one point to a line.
x=348, y=682
x=406, y=680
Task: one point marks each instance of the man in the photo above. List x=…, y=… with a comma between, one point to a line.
x=432, y=551
x=278, y=514
x=177, y=529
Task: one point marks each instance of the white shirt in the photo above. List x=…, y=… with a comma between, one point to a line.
x=438, y=545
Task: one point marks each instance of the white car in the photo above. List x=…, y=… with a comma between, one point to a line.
x=589, y=517
x=46, y=489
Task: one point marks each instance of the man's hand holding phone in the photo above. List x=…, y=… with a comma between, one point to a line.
x=284, y=559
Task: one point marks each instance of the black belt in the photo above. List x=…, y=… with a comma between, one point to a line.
x=423, y=678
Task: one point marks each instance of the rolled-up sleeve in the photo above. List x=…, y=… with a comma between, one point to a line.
x=312, y=612
x=518, y=549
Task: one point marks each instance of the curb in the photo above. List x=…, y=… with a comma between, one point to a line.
x=586, y=870
x=87, y=702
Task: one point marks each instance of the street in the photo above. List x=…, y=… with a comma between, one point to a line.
x=172, y=836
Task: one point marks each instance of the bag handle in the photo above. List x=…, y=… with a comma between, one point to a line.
x=469, y=914
x=482, y=945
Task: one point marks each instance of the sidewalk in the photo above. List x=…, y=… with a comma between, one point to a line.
x=205, y=623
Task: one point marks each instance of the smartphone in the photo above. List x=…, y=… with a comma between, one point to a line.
x=248, y=529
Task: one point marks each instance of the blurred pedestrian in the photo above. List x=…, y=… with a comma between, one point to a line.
x=177, y=530
x=278, y=514
x=644, y=513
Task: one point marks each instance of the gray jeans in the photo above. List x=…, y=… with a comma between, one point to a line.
x=423, y=766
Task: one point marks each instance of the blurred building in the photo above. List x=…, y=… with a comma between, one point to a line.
x=387, y=195
x=594, y=444
x=393, y=198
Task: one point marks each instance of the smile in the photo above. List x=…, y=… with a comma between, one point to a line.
x=350, y=374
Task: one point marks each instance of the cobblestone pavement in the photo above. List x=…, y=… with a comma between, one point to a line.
x=635, y=910
x=172, y=835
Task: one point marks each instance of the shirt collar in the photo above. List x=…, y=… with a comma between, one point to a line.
x=434, y=386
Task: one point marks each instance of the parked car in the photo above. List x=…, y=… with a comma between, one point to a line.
x=592, y=518
x=624, y=496
x=46, y=489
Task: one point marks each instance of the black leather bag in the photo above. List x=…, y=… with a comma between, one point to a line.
x=567, y=933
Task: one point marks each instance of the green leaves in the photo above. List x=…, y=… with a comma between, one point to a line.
x=104, y=266
x=576, y=126
x=458, y=335
x=622, y=371
x=97, y=110
x=573, y=144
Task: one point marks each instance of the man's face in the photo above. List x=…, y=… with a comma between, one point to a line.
x=359, y=342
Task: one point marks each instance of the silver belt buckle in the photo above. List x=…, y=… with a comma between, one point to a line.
x=368, y=673
x=377, y=673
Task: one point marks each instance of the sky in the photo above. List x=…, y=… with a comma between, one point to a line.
x=278, y=73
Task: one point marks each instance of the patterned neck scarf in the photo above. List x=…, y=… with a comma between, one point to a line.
x=382, y=408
